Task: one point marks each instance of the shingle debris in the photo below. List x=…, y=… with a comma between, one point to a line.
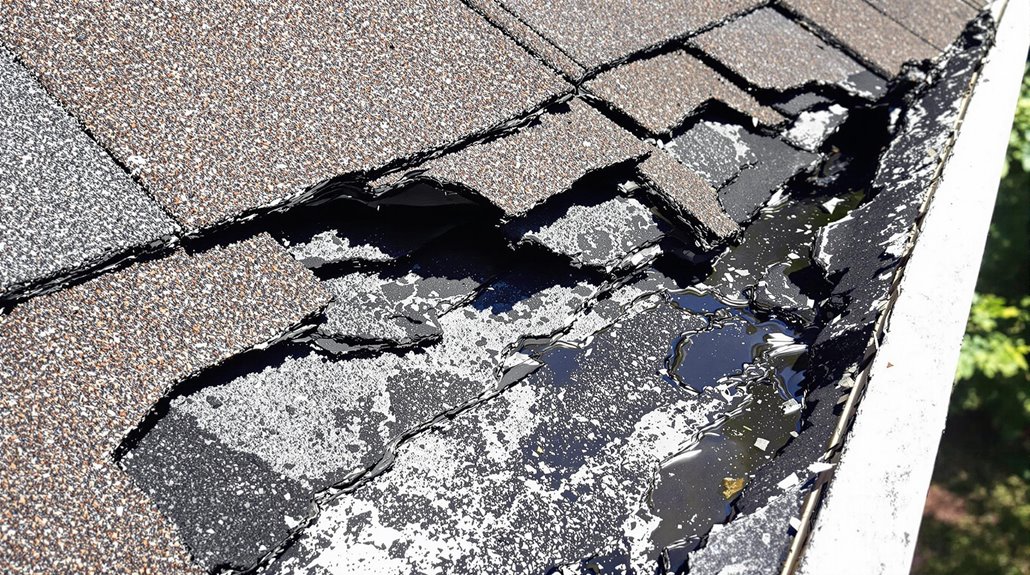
x=64, y=203
x=561, y=463
x=773, y=52
x=661, y=92
x=867, y=31
x=753, y=544
x=81, y=367
x=290, y=420
x=597, y=33
x=520, y=170
x=221, y=108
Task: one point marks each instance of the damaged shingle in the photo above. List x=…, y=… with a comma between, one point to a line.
x=867, y=31
x=313, y=421
x=597, y=33
x=661, y=92
x=557, y=463
x=813, y=127
x=81, y=367
x=64, y=203
x=222, y=108
x=602, y=235
x=518, y=171
x=687, y=192
x=773, y=52
x=754, y=165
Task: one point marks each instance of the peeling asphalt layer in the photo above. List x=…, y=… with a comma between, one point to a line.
x=554, y=348
x=84, y=209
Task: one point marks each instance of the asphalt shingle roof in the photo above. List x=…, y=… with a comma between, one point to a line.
x=81, y=367
x=224, y=107
x=661, y=92
x=64, y=203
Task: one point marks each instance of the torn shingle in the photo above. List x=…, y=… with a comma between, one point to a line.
x=64, y=203
x=867, y=31
x=79, y=368
x=686, y=191
x=938, y=22
x=715, y=151
x=313, y=421
x=661, y=92
x=221, y=108
x=597, y=33
x=560, y=464
x=777, y=162
x=813, y=127
x=773, y=52
x=534, y=42
x=603, y=235
x=520, y=170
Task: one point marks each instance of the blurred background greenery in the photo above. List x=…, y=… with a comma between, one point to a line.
x=977, y=516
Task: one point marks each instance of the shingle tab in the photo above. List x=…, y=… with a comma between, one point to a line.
x=521, y=170
x=64, y=203
x=80, y=367
x=870, y=33
x=660, y=92
x=938, y=22
x=771, y=51
x=597, y=33
x=687, y=191
x=222, y=107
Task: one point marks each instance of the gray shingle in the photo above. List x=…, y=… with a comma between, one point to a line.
x=529, y=38
x=64, y=203
x=871, y=34
x=660, y=92
x=771, y=51
x=224, y=107
x=81, y=367
x=596, y=33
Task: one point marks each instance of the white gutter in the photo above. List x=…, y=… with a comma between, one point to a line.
x=869, y=519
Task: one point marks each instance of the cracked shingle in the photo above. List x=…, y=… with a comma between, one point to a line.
x=597, y=33
x=520, y=170
x=64, y=203
x=661, y=92
x=225, y=107
x=773, y=52
x=866, y=31
x=79, y=368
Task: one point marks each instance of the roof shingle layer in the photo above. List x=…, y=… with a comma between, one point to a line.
x=227, y=106
x=938, y=22
x=867, y=31
x=64, y=203
x=687, y=191
x=521, y=170
x=661, y=92
x=81, y=367
x=776, y=53
x=597, y=33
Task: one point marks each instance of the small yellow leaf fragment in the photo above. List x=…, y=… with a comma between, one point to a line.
x=731, y=486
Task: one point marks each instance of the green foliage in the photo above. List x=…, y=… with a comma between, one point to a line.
x=993, y=345
x=1019, y=139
